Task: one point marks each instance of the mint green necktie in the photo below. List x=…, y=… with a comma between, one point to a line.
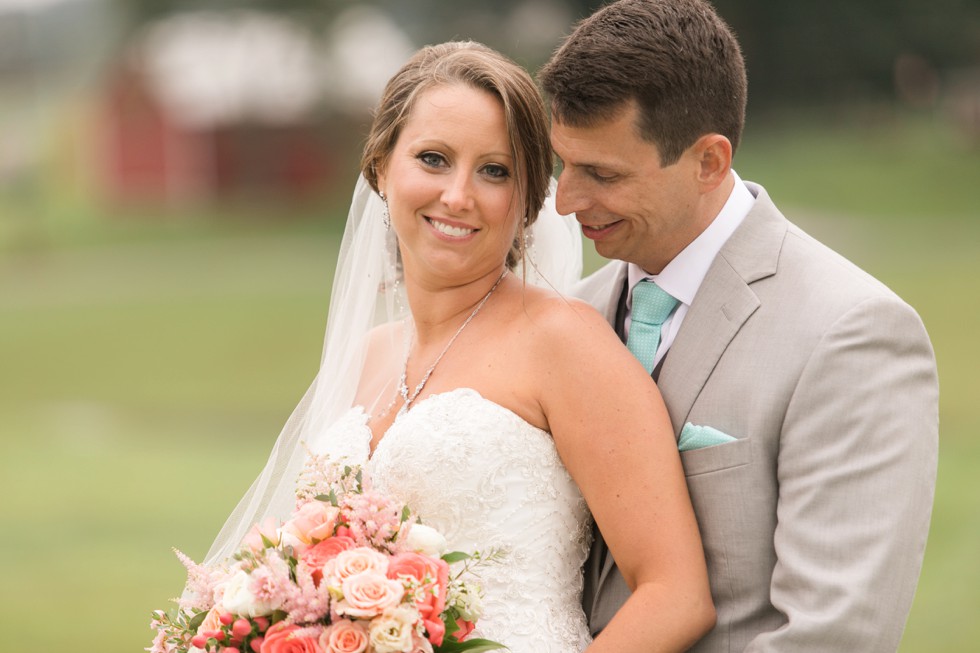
x=651, y=308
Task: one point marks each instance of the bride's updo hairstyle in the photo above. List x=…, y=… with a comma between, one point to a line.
x=479, y=67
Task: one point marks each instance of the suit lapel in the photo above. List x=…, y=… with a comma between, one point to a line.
x=723, y=303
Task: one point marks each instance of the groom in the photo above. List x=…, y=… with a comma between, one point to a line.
x=803, y=392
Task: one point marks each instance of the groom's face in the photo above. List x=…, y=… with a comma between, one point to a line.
x=629, y=205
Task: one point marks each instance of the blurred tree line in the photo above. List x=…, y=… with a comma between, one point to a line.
x=798, y=53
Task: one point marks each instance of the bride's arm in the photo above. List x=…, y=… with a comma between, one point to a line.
x=613, y=433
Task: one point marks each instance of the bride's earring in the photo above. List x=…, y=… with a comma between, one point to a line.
x=386, y=216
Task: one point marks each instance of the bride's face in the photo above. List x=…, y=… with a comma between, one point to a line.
x=450, y=186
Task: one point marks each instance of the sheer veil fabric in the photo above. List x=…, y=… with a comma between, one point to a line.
x=367, y=293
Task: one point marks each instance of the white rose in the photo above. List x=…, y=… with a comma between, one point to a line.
x=238, y=598
x=392, y=632
x=426, y=540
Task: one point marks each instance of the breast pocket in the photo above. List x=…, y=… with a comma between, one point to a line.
x=717, y=458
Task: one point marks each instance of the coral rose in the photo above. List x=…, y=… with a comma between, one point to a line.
x=320, y=553
x=464, y=628
x=290, y=638
x=430, y=578
x=344, y=636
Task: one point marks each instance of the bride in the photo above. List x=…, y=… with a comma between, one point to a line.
x=504, y=413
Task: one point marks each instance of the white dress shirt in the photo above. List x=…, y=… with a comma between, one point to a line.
x=682, y=277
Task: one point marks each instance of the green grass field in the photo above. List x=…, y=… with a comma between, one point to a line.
x=146, y=368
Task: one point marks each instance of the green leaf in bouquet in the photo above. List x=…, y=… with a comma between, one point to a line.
x=267, y=543
x=406, y=513
x=196, y=621
x=455, y=556
x=475, y=645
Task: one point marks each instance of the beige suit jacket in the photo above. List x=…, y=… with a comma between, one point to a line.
x=814, y=520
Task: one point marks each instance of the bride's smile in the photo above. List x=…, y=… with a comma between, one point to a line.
x=451, y=229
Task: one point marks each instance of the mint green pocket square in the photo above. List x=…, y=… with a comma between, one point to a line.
x=699, y=437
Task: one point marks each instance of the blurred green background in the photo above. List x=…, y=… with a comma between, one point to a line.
x=154, y=336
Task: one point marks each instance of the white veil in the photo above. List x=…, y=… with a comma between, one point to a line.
x=367, y=293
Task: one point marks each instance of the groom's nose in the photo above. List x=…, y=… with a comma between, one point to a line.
x=568, y=196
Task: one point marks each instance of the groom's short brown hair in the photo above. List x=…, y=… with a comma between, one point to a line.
x=677, y=59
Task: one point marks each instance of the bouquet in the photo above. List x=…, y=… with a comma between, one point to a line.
x=351, y=571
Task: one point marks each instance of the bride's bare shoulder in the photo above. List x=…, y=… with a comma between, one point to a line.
x=560, y=307
x=554, y=315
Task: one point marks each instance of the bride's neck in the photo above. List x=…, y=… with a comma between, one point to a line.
x=439, y=309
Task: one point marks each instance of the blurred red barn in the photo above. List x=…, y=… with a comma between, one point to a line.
x=208, y=107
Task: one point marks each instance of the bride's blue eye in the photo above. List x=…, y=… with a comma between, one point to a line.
x=496, y=171
x=431, y=159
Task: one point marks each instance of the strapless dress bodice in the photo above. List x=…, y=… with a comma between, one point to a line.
x=487, y=479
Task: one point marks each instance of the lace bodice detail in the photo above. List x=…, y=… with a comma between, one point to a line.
x=486, y=479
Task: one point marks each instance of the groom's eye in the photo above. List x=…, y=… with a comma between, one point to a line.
x=601, y=175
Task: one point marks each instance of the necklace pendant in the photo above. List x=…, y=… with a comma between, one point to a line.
x=403, y=381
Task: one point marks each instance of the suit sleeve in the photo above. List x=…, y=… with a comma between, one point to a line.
x=856, y=471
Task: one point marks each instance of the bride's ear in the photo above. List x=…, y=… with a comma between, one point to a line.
x=379, y=176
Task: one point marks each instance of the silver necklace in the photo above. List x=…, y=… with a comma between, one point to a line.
x=403, y=381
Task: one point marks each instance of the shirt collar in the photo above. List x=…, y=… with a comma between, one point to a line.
x=682, y=277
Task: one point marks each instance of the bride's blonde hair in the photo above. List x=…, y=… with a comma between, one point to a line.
x=481, y=68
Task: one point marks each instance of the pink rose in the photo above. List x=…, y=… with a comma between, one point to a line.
x=321, y=552
x=284, y=638
x=368, y=594
x=431, y=575
x=344, y=636
x=211, y=623
x=313, y=522
x=354, y=561
x=265, y=529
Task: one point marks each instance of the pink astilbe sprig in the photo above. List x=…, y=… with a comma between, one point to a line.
x=376, y=521
x=202, y=582
x=323, y=477
x=307, y=602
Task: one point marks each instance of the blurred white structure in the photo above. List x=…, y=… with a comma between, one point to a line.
x=211, y=68
x=209, y=104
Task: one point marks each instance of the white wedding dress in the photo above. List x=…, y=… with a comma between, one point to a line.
x=486, y=479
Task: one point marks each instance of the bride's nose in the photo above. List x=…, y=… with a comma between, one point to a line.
x=457, y=195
